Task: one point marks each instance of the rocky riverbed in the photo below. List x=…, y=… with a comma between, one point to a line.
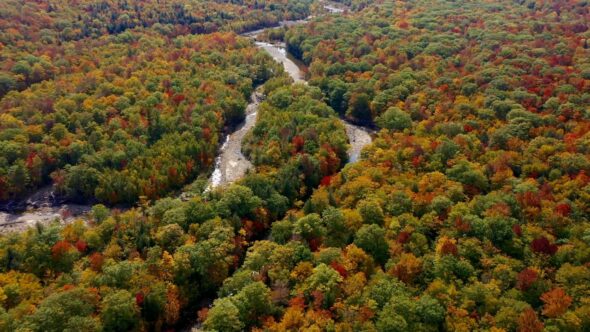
x=231, y=164
x=359, y=137
x=41, y=207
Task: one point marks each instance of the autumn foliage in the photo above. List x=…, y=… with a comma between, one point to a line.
x=467, y=212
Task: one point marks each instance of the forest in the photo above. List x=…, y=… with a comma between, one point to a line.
x=469, y=211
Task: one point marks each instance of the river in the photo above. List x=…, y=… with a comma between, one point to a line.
x=231, y=164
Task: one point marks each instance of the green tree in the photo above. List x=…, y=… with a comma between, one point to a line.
x=309, y=227
x=336, y=95
x=154, y=302
x=371, y=238
x=198, y=212
x=236, y=282
x=337, y=233
x=80, y=183
x=7, y=83
x=359, y=107
x=233, y=110
x=238, y=200
x=430, y=310
x=66, y=310
x=223, y=316
x=467, y=173
x=18, y=178
x=371, y=212
x=394, y=119
x=383, y=287
x=325, y=280
x=170, y=237
x=282, y=231
x=119, y=312
x=391, y=322
x=253, y=302
x=99, y=213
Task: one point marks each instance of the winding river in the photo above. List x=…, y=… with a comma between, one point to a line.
x=230, y=164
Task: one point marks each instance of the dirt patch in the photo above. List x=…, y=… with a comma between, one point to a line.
x=18, y=222
x=358, y=137
x=231, y=164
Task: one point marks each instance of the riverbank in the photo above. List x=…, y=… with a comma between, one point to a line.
x=231, y=164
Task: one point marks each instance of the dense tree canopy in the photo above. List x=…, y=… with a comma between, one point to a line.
x=298, y=139
x=468, y=212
